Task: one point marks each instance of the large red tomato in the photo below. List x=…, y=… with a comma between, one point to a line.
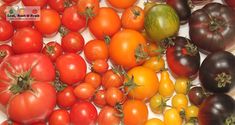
x=26, y=87
x=6, y=30
x=40, y=3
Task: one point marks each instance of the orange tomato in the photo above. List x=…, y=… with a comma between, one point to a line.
x=153, y=49
x=121, y=4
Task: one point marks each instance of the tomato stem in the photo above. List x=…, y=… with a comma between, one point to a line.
x=58, y=84
x=3, y=54
x=192, y=49
x=215, y=24
x=223, y=79
x=140, y=53
x=63, y=31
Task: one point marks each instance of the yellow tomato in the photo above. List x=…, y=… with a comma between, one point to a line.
x=191, y=112
x=172, y=117
x=154, y=121
x=166, y=86
x=182, y=85
x=157, y=104
x=155, y=63
x=179, y=101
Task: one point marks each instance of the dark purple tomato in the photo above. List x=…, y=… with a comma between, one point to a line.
x=196, y=95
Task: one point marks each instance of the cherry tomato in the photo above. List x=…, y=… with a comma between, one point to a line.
x=89, y=8
x=166, y=86
x=196, y=95
x=93, y=78
x=66, y=98
x=53, y=50
x=157, y=104
x=59, y=5
x=5, y=51
x=21, y=24
x=179, y=102
x=72, y=42
x=122, y=4
x=153, y=49
x=40, y=3
x=172, y=117
x=154, y=121
x=84, y=91
x=6, y=30
x=191, y=112
x=113, y=96
x=9, y=122
x=100, y=66
x=155, y=63
x=108, y=116
x=182, y=85
x=99, y=98
x=112, y=79
x=59, y=117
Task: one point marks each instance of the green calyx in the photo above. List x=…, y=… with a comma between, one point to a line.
x=223, y=79
x=230, y=120
x=140, y=53
x=3, y=54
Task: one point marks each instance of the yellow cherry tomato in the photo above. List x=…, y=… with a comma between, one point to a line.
x=172, y=117
x=154, y=121
x=157, y=104
x=191, y=112
x=182, y=85
x=166, y=86
x=179, y=101
x=155, y=63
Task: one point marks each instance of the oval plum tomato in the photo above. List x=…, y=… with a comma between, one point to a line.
x=100, y=66
x=89, y=8
x=99, y=98
x=135, y=112
x=121, y=4
x=6, y=30
x=141, y=83
x=133, y=18
x=59, y=5
x=71, y=68
x=114, y=96
x=49, y=23
x=72, y=20
x=21, y=24
x=112, y=79
x=53, y=50
x=172, y=117
x=128, y=43
x=40, y=3
x=105, y=24
x=93, y=78
x=66, y=98
x=59, y=117
x=72, y=42
x=96, y=49
x=84, y=91
x=154, y=121
x=21, y=79
x=83, y=113
x=29, y=39
x=183, y=58
x=108, y=116
x=5, y=51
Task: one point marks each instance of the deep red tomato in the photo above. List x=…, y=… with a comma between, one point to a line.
x=72, y=42
x=71, y=67
x=93, y=78
x=53, y=50
x=6, y=30
x=99, y=98
x=84, y=91
x=112, y=79
x=89, y=8
x=49, y=22
x=11, y=2
x=27, y=40
x=59, y=5
x=59, y=117
x=21, y=24
x=100, y=66
x=113, y=96
x=72, y=20
x=230, y=3
x=5, y=51
x=108, y=116
x=83, y=113
x=21, y=79
x=40, y=3
x=105, y=23
x=66, y=97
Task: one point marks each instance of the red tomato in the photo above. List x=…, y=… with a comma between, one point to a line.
x=230, y=3
x=3, y=11
x=105, y=23
x=122, y=4
x=96, y=49
x=93, y=78
x=5, y=51
x=53, y=50
x=66, y=97
x=49, y=22
x=71, y=67
x=72, y=20
x=11, y=1
x=40, y=3
x=6, y=30
x=21, y=24
x=9, y=122
x=59, y=5
x=89, y=8
x=59, y=117
x=114, y=96
x=39, y=123
x=72, y=42
x=27, y=40
x=100, y=66
x=83, y=113
x=108, y=116
x=99, y=98
x=84, y=91
x=23, y=85
x=112, y=79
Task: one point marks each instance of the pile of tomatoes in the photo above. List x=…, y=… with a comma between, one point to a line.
x=134, y=60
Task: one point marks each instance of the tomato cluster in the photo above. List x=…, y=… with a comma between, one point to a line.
x=121, y=75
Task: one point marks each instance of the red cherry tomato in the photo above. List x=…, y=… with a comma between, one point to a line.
x=99, y=98
x=84, y=91
x=66, y=97
x=108, y=116
x=72, y=42
x=100, y=66
x=53, y=50
x=59, y=117
x=112, y=79
x=114, y=96
x=6, y=30
x=93, y=78
x=40, y=3
x=59, y=5
x=89, y=8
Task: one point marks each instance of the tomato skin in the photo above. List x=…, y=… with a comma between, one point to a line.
x=21, y=24
x=179, y=102
x=94, y=79
x=72, y=42
x=154, y=121
x=114, y=96
x=84, y=91
x=112, y=79
x=107, y=116
x=11, y=2
x=191, y=112
x=40, y=3
x=58, y=5
x=100, y=66
x=102, y=24
x=121, y=4
x=99, y=98
x=83, y=113
x=71, y=67
x=59, y=117
x=29, y=39
x=157, y=104
x=172, y=117
x=155, y=63
x=66, y=98
x=49, y=23
x=82, y=6
x=182, y=85
x=5, y=51
x=53, y=50
x=3, y=11
x=6, y=30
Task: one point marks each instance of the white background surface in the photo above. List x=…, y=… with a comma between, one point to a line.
x=87, y=36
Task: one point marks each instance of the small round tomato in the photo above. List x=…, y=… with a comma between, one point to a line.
x=100, y=66
x=108, y=116
x=114, y=96
x=196, y=95
x=40, y=3
x=135, y=112
x=59, y=5
x=112, y=79
x=179, y=102
x=29, y=39
x=21, y=24
x=53, y=50
x=96, y=49
x=93, y=78
x=5, y=51
x=122, y=4
x=6, y=30
x=71, y=68
x=99, y=98
x=66, y=97
x=105, y=23
x=182, y=85
x=154, y=121
x=59, y=117
x=49, y=23
x=72, y=42
x=155, y=63
x=172, y=117
x=133, y=18
x=89, y=8
x=191, y=112
x=157, y=104
x=153, y=49
x=84, y=91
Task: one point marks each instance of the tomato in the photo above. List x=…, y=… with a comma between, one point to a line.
x=172, y=117
x=84, y=91
x=83, y=113
x=39, y=123
x=100, y=66
x=72, y=42
x=133, y=18
x=182, y=85
x=11, y=2
x=40, y=3
x=5, y=51
x=157, y=104
x=96, y=49
x=191, y=112
x=72, y=20
x=66, y=98
x=3, y=8
x=161, y=21
x=128, y=43
x=114, y=96
x=89, y=8
x=59, y=5
x=49, y=23
x=230, y=3
x=142, y=83
x=154, y=121
x=108, y=116
x=21, y=78
x=53, y=50
x=166, y=86
x=153, y=49
x=179, y=102
x=29, y=39
x=102, y=25
x=155, y=63
x=21, y=24
x=6, y=30
x=94, y=79
x=59, y=117
x=196, y=95
x=71, y=67
x=135, y=112
x=112, y=79
x=121, y=4
x=99, y=98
